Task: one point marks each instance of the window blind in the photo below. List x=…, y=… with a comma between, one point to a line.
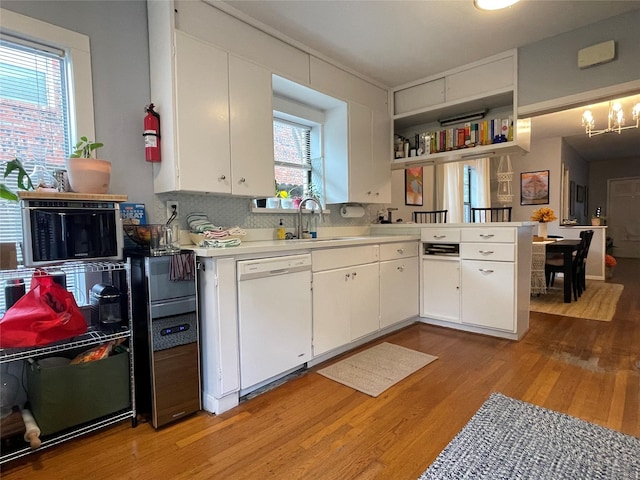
x=34, y=117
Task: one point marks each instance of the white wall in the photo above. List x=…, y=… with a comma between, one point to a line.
x=405, y=212
x=548, y=69
x=545, y=155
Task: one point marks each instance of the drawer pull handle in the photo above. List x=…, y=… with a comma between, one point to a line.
x=487, y=235
x=400, y=251
x=242, y=180
x=485, y=270
x=401, y=268
x=222, y=177
x=439, y=237
x=485, y=252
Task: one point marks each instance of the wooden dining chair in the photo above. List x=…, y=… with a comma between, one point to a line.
x=430, y=216
x=578, y=265
x=493, y=214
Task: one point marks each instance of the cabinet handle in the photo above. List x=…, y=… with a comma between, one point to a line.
x=242, y=180
x=222, y=177
x=354, y=274
x=401, y=268
x=485, y=270
x=487, y=235
x=400, y=251
x=439, y=237
x=485, y=252
x=368, y=193
x=347, y=277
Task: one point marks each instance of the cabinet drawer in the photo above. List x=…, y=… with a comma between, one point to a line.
x=444, y=235
x=489, y=234
x=503, y=252
x=332, y=258
x=393, y=251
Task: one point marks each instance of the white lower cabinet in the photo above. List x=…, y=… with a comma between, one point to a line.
x=485, y=289
x=488, y=296
x=399, y=282
x=345, y=306
x=441, y=288
x=346, y=289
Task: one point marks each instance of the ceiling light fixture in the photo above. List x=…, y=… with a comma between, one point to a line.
x=493, y=4
x=615, y=120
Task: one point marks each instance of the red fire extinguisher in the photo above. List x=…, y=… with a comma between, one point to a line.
x=151, y=134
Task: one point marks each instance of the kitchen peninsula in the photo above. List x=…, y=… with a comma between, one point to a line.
x=486, y=286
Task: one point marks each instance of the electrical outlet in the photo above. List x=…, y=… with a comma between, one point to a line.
x=172, y=206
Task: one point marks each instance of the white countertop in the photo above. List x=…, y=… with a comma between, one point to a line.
x=280, y=246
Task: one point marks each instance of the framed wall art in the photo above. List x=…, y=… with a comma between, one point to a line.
x=534, y=188
x=413, y=183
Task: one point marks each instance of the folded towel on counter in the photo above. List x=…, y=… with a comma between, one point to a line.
x=182, y=267
x=199, y=223
x=230, y=242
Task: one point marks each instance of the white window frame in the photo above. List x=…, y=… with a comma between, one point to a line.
x=77, y=47
x=309, y=116
x=80, y=84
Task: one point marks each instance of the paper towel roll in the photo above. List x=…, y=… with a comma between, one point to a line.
x=353, y=211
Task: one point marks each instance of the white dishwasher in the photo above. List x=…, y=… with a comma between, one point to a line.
x=274, y=315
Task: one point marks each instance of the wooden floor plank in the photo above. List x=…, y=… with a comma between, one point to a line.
x=312, y=427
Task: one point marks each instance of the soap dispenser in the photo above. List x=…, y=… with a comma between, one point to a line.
x=282, y=233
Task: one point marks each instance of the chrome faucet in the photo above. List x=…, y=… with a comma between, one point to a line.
x=302, y=203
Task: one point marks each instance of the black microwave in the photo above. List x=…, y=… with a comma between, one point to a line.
x=57, y=231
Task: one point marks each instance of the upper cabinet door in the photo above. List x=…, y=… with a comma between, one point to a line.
x=202, y=116
x=360, y=153
x=250, y=104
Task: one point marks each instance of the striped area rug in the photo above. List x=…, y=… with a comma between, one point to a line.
x=597, y=302
x=514, y=440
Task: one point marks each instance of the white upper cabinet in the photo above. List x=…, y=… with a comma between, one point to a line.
x=251, y=107
x=357, y=167
x=216, y=114
x=201, y=156
x=460, y=112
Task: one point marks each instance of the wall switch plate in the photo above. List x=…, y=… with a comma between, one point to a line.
x=171, y=207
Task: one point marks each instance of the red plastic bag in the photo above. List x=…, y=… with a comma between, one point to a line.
x=45, y=314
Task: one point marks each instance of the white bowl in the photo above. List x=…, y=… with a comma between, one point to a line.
x=89, y=175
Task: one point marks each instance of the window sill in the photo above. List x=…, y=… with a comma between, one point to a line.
x=285, y=211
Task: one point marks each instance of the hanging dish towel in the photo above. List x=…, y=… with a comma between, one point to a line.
x=181, y=267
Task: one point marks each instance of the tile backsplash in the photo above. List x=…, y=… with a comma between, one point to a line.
x=227, y=211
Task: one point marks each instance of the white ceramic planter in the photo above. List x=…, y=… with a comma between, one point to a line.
x=89, y=175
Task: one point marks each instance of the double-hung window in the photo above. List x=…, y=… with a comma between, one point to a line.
x=292, y=154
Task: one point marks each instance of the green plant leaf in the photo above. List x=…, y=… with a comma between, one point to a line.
x=7, y=194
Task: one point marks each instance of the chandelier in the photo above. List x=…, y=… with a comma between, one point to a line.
x=615, y=121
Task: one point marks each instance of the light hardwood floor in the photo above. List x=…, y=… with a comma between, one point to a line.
x=314, y=428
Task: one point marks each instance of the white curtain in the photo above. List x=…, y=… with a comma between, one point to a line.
x=483, y=191
x=450, y=179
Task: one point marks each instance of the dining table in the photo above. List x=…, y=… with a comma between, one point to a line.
x=566, y=248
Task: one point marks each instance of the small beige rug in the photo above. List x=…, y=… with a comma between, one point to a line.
x=377, y=368
x=597, y=302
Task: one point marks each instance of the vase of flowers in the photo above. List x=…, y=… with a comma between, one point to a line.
x=543, y=216
x=609, y=264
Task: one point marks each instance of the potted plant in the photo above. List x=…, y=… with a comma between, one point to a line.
x=609, y=263
x=24, y=181
x=543, y=215
x=88, y=174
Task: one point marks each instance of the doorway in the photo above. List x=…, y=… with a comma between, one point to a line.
x=623, y=219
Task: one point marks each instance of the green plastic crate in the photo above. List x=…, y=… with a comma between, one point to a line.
x=66, y=396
